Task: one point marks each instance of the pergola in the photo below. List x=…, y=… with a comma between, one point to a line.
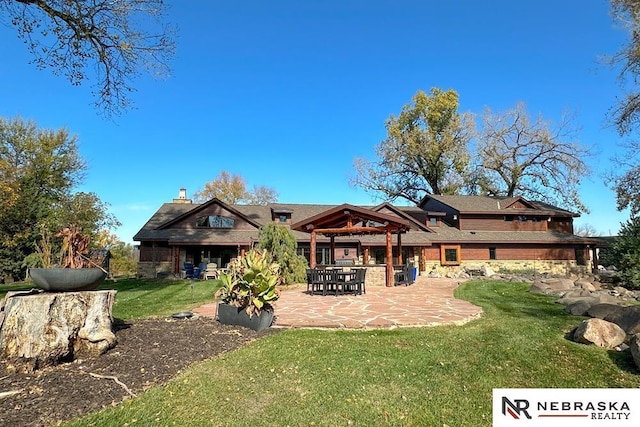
x=349, y=220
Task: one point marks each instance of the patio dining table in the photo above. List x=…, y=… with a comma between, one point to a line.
x=335, y=280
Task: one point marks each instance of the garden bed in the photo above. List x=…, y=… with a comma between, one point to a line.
x=148, y=353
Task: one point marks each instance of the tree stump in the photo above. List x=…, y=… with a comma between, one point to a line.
x=47, y=328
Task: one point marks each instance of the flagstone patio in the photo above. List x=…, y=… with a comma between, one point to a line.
x=428, y=302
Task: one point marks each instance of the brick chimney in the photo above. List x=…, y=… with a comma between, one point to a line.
x=182, y=197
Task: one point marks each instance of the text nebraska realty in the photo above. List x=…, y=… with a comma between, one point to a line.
x=595, y=410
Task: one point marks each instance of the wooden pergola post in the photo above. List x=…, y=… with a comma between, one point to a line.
x=389, y=269
x=312, y=255
x=400, y=248
x=332, y=249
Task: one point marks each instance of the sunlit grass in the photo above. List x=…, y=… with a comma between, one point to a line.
x=404, y=377
x=137, y=298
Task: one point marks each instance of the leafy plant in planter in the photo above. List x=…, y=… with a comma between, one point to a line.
x=248, y=290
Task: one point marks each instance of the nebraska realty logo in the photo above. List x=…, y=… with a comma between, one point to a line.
x=567, y=407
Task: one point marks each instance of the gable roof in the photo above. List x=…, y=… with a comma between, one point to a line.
x=343, y=215
x=197, y=208
x=495, y=204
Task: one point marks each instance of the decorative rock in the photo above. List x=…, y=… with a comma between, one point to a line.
x=48, y=328
x=599, y=332
x=634, y=346
x=487, y=271
x=579, y=308
x=586, y=285
x=602, y=310
x=538, y=288
x=558, y=284
x=628, y=318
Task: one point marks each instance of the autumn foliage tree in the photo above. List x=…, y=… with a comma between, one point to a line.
x=425, y=151
x=40, y=169
x=232, y=189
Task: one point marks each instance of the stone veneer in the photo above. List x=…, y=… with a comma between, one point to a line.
x=561, y=267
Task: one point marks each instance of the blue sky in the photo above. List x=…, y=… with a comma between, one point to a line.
x=287, y=93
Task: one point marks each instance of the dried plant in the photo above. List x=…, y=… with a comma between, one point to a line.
x=75, y=247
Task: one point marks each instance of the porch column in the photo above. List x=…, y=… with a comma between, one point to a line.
x=176, y=260
x=365, y=256
x=389, y=278
x=400, y=248
x=312, y=255
x=332, y=255
x=594, y=257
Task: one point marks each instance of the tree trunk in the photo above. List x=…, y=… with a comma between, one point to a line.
x=48, y=328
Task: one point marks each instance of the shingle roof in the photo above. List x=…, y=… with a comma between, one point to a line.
x=262, y=215
x=486, y=204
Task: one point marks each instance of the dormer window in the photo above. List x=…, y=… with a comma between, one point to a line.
x=282, y=218
x=215, y=221
x=433, y=221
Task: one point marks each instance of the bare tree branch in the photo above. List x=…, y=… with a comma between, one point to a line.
x=109, y=41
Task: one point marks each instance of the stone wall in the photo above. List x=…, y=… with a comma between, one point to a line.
x=561, y=267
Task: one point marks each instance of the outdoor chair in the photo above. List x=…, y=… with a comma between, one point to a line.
x=188, y=270
x=210, y=271
x=404, y=276
x=315, y=281
x=356, y=285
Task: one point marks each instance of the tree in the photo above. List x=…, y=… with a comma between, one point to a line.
x=40, y=168
x=116, y=38
x=123, y=261
x=233, y=190
x=624, y=178
x=626, y=114
x=425, y=150
x=280, y=242
x=537, y=160
x=624, y=253
x=585, y=230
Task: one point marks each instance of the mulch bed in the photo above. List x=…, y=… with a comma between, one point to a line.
x=149, y=353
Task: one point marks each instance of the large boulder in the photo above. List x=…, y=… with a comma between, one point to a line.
x=602, y=310
x=558, y=284
x=599, y=332
x=580, y=307
x=634, y=346
x=628, y=318
x=585, y=284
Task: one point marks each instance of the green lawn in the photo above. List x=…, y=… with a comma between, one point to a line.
x=405, y=377
x=147, y=298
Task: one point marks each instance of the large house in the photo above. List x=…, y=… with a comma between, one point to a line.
x=443, y=233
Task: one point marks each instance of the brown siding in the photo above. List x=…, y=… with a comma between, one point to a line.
x=517, y=252
x=497, y=223
x=563, y=225
x=155, y=254
x=431, y=253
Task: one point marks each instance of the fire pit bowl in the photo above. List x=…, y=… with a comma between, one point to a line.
x=67, y=279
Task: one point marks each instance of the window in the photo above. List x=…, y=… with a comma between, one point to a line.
x=450, y=255
x=492, y=253
x=282, y=218
x=215, y=221
x=508, y=217
x=433, y=221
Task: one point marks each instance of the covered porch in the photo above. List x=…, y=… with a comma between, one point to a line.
x=349, y=220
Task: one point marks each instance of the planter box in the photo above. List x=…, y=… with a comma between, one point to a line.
x=232, y=315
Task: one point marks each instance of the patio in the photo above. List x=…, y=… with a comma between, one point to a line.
x=428, y=302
